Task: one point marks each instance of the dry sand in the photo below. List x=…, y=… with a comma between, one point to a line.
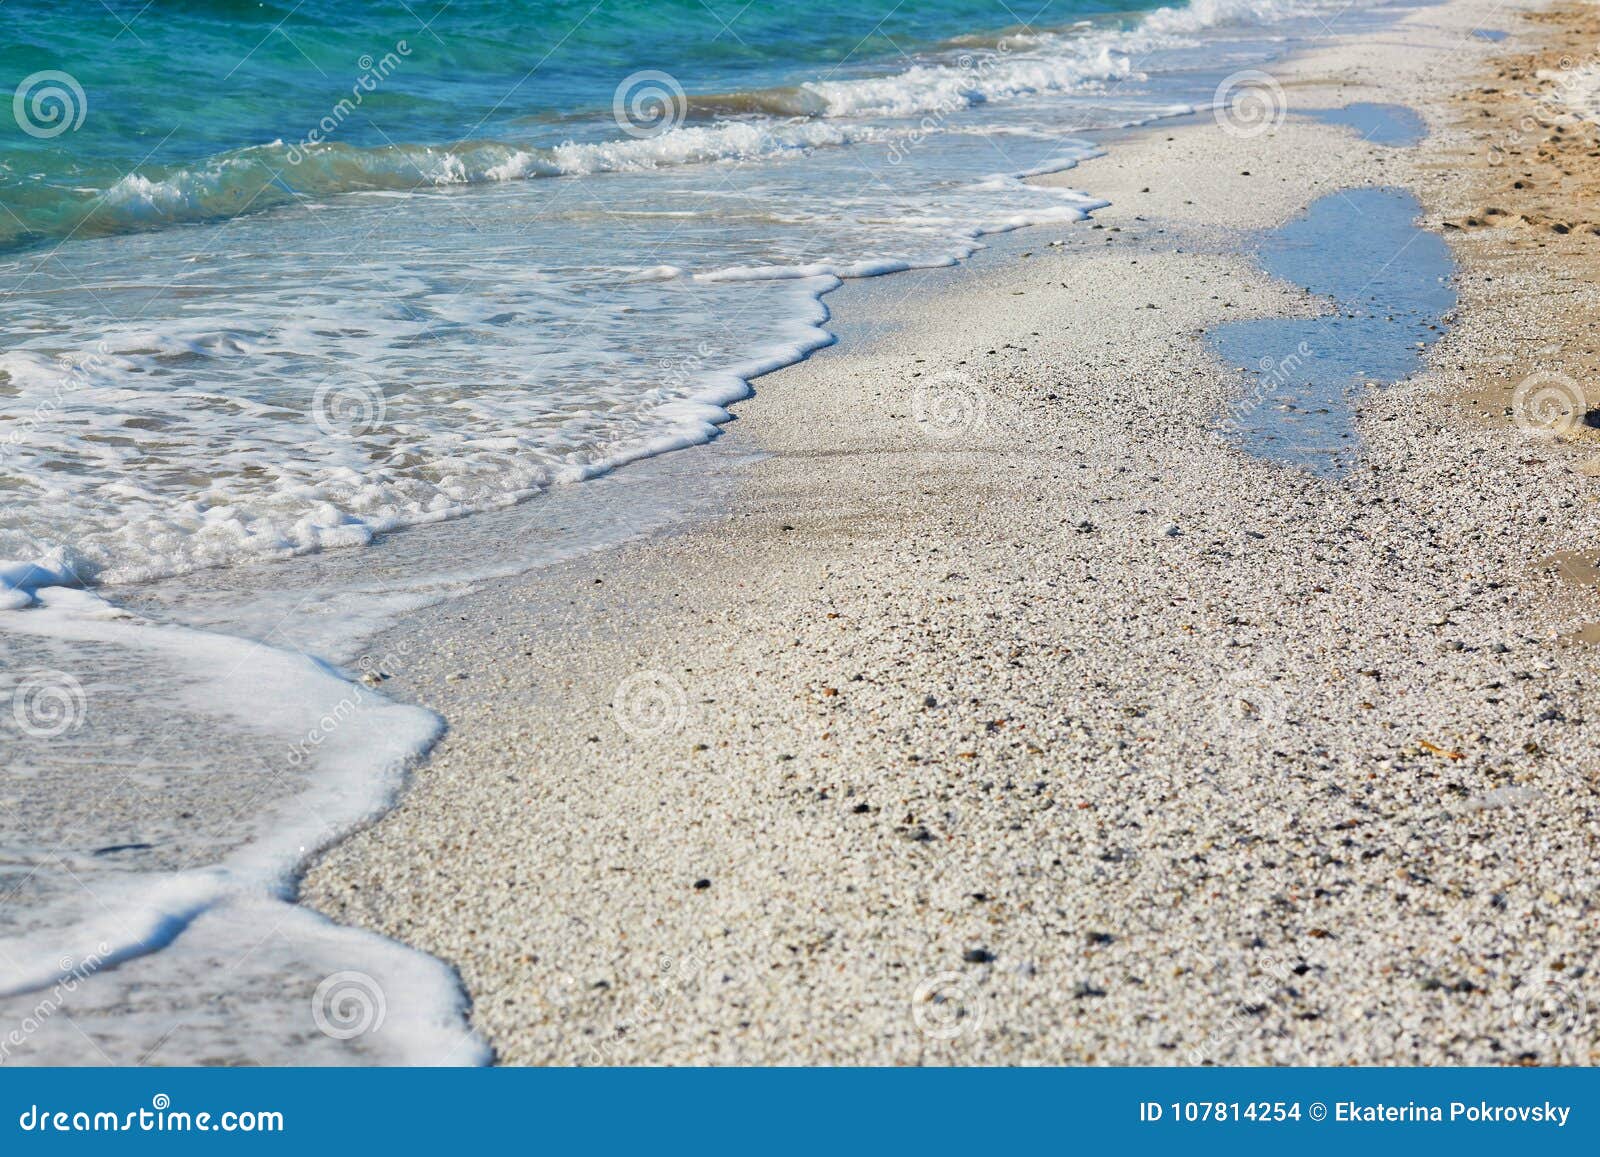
x=1053, y=728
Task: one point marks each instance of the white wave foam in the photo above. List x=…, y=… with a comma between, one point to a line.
x=1047, y=63
x=698, y=144
x=348, y=749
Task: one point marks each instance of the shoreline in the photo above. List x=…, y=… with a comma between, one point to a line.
x=931, y=750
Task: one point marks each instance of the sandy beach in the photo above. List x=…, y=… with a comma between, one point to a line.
x=1005, y=711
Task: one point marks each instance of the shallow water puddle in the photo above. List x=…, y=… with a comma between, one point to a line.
x=1389, y=281
x=1381, y=124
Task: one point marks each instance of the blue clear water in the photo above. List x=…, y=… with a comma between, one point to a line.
x=1382, y=124
x=1388, y=284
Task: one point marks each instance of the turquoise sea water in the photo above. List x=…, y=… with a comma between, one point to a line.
x=177, y=88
